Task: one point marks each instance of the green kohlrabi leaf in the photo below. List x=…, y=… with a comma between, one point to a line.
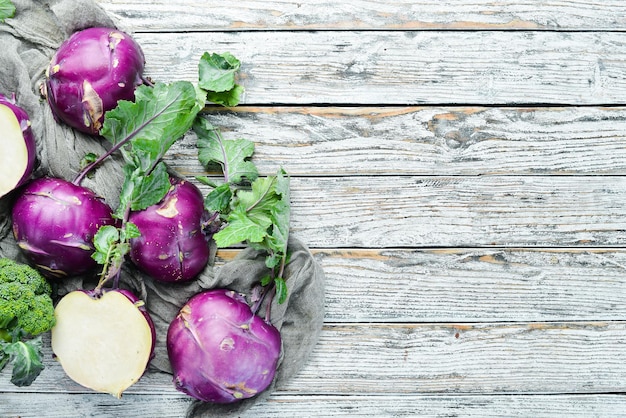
x=112, y=246
x=281, y=289
x=217, y=71
x=208, y=181
x=106, y=237
x=141, y=190
x=88, y=159
x=259, y=201
x=260, y=217
x=26, y=359
x=7, y=9
x=232, y=155
x=150, y=189
x=280, y=213
x=131, y=231
x=158, y=117
x=240, y=228
x=218, y=199
x=228, y=98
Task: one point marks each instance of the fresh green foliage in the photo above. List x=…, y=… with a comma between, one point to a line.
x=228, y=98
x=232, y=156
x=143, y=131
x=158, y=117
x=281, y=289
x=26, y=358
x=257, y=215
x=88, y=159
x=112, y=245
x=219, y=198
x=26, y=310
x=148, y=127
x=7, y=9
x=217, y=76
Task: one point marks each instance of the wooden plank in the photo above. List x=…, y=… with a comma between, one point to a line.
x=405, y=211
x=164, y=406
x=400, y=68
x=64, y=405
x=473, y=285
x=340, y=141
x=393, y=359
x=466, y=358
x=162, y=15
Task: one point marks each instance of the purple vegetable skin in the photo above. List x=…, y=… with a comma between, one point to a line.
x=54, y=222
x=219, y=350
x=172, y=246
x=89, y=73
x=17, y=159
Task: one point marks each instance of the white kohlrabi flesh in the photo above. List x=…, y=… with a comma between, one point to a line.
x=104, y=341
x=17, y=145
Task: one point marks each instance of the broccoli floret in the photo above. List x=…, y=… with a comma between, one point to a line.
x=26, y=310
x=25, y=301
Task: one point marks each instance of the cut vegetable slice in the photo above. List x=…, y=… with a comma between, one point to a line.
x=103, y=343
x=18, y=149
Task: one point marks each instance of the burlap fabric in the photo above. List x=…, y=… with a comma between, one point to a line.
x=27, y=42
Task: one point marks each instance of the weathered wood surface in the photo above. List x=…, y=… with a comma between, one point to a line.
x=448, y=141
x=406, y=67
x=447, y=285
x=458, y=170
x=407, y=211
x=234, y=15
x=480, y=406
x=391, y=359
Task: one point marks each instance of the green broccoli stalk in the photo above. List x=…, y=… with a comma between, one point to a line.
x=26, y=310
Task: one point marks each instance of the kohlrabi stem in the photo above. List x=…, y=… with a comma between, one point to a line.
x=268, y=307
x=283, y=260
x=120, y=144
x=113, y=267
x=272, y=291
x=257, y=305
x=147, y=81
x=210, y=226
x=105, y=275
x=79, y=178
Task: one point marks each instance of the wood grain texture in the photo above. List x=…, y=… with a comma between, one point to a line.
x=400, y=68
x=340, y=141
x=466, y=358
x=163, y=15
x=65, y=405
x=393, y=211
x=280, y=405
x=475, y=285
x=458, y=169
x=392, y=359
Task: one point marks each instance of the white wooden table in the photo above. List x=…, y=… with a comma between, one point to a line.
x=458, y=168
